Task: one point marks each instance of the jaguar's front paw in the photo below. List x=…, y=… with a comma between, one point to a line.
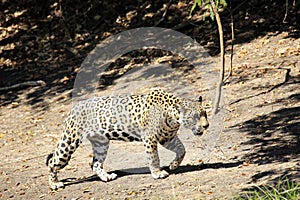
x=159, y=174
x=106, y=177
x=111, y=176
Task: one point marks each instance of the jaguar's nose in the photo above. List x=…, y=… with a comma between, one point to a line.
x=205, y=126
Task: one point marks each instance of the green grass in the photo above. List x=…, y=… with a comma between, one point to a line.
x=283, y=190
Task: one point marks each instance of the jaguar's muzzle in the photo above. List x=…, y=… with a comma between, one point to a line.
x=199, y=130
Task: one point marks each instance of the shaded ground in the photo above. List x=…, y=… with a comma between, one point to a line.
x=260, y=142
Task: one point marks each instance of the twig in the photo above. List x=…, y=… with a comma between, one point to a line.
x=22, y=160
x=193, y=23
x=164, y=15
x=78, y=198
x=222, y=57
x=238, y=6
x=27, y=83
x=286, y=79
x=286, y=10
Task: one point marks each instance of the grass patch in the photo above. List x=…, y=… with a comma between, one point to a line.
x=283, y=190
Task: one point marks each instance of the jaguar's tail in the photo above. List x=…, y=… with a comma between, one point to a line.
x=48, y=158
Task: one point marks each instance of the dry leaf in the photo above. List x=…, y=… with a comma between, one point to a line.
x=14, y=104
x=181, y=5
x=149, y=15
x=64, y=79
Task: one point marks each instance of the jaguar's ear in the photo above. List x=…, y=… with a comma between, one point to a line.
x=200, y=99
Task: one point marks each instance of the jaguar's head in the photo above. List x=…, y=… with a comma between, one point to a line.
x=193, y=116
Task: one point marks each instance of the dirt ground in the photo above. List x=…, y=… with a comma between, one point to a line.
x=258, y=142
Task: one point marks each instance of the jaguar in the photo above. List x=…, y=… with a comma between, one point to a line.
x=153, y=118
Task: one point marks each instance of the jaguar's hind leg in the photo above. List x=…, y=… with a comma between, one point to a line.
x=176, y=146
x=60, y=158
x=100, y=146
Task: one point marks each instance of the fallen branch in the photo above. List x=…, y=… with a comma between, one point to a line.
x=27, y=83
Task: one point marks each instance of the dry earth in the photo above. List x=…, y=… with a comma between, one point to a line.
x=258, y=144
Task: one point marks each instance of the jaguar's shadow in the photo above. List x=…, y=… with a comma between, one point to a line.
x=145, y=170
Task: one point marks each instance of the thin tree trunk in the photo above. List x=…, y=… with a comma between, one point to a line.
x=222, y=58
x=232, y=44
